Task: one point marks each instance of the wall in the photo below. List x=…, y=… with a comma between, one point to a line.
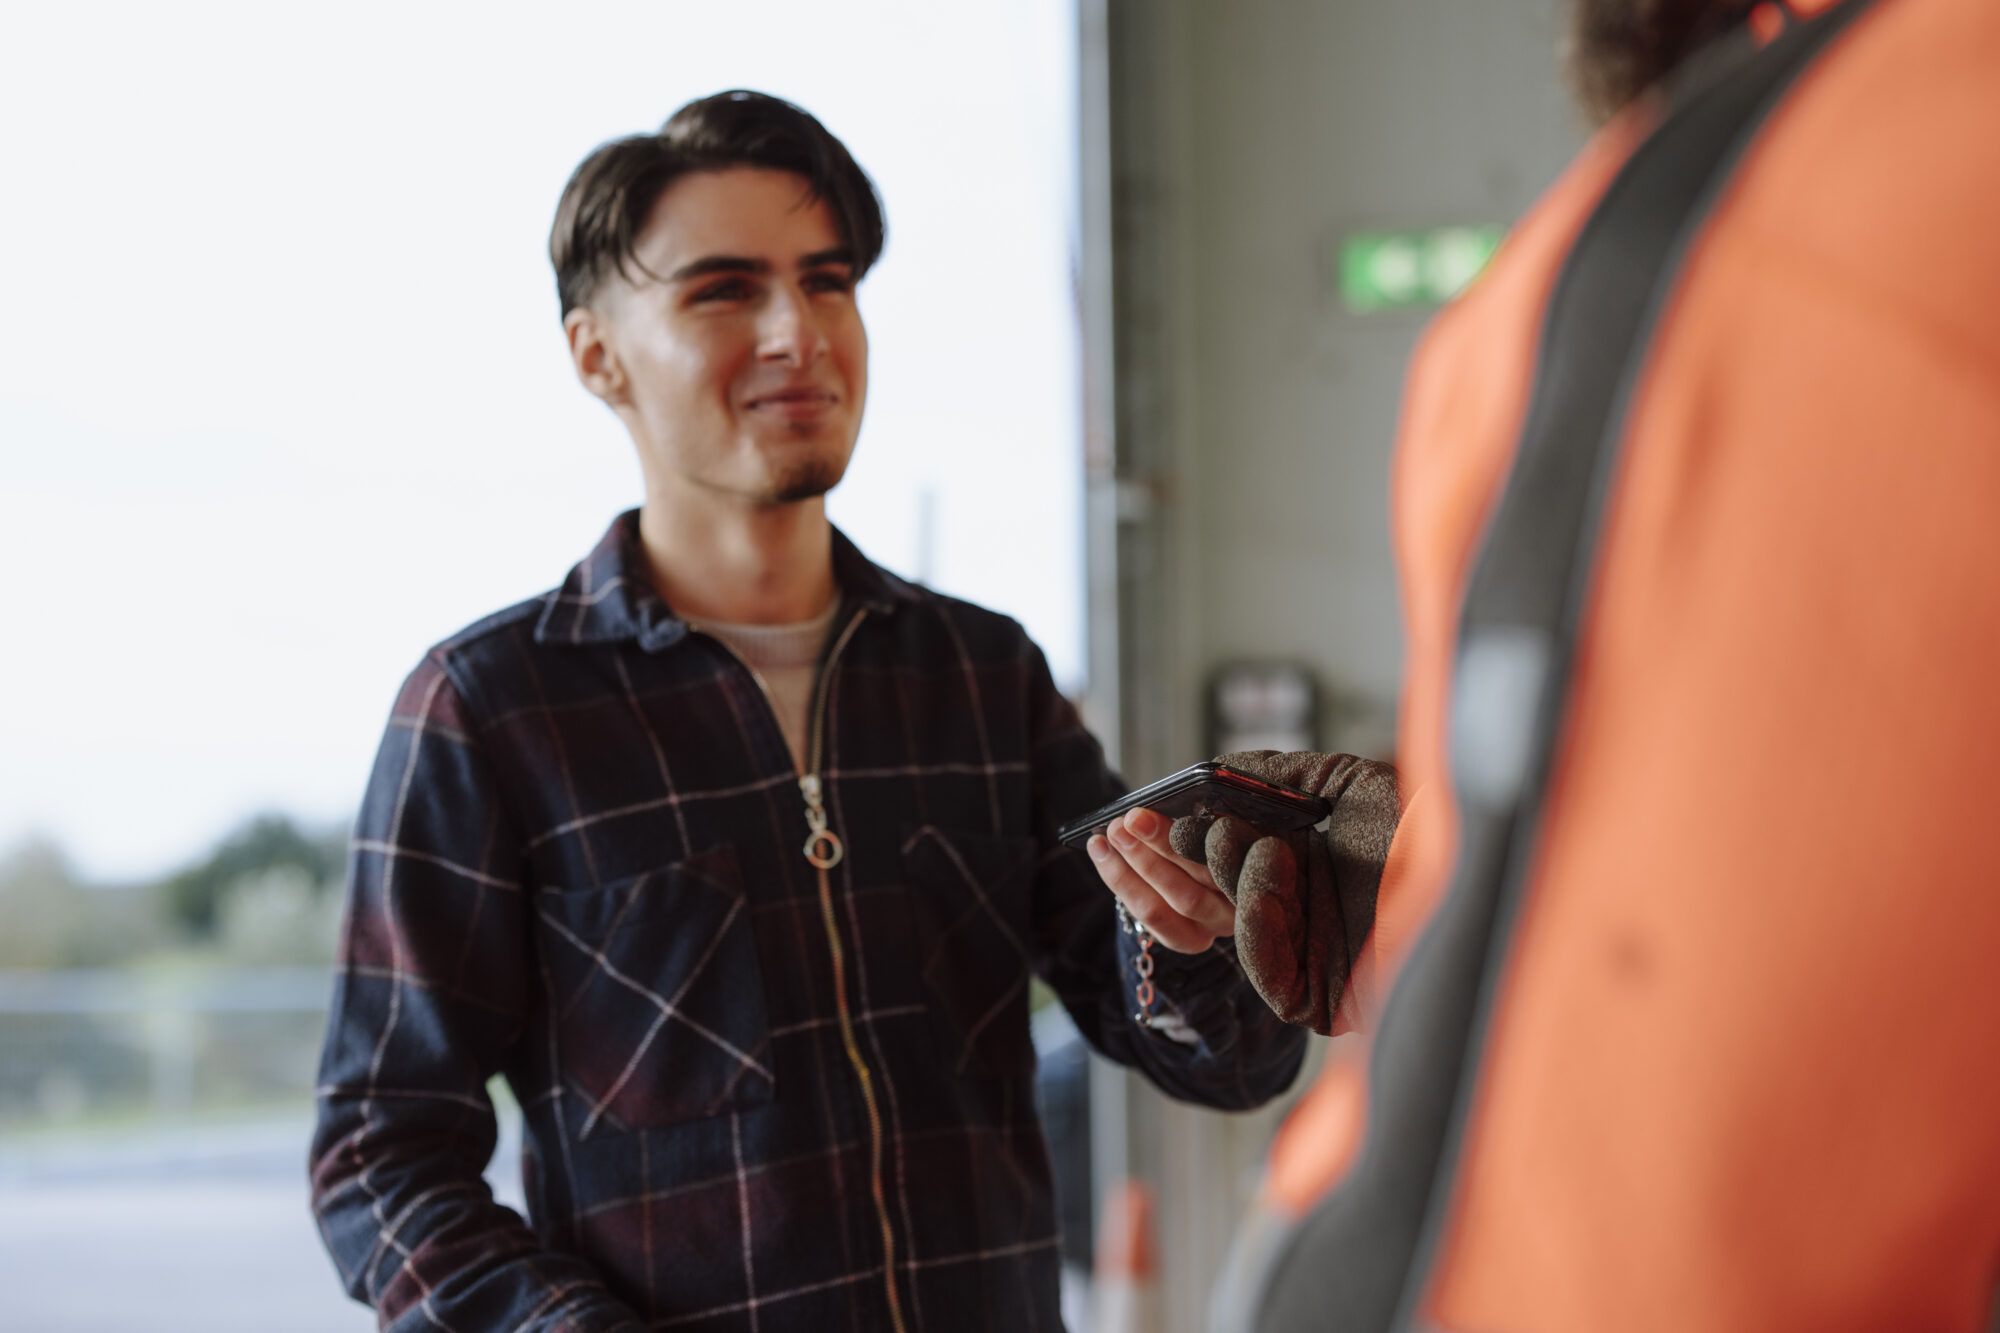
x=1249, y=415
x=1253, y=137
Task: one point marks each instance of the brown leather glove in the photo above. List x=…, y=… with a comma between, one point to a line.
x=1298, y=941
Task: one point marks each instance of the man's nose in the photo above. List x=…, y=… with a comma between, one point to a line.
x=791, y=329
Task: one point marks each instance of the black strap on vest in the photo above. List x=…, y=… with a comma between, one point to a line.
x=1361, y=1260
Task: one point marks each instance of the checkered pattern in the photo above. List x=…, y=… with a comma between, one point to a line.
x=579, y=866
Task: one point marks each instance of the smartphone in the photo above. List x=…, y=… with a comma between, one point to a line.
x=1206, y=790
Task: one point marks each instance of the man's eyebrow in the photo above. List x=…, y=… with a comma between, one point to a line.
x=718, y=264
x=821, y=258
x=708, y=264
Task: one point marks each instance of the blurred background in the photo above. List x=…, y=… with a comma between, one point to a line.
x=281, y=332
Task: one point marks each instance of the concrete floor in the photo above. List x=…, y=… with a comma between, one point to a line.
x=187, y=1229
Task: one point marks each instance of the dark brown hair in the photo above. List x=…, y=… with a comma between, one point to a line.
x=612, y=192
x=1620, y=48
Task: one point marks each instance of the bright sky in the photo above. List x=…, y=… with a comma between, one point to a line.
x=283, y=394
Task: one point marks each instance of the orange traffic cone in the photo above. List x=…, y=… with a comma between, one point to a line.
x=1124, y=1298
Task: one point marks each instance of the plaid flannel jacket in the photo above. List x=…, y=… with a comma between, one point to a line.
x=757, y=1094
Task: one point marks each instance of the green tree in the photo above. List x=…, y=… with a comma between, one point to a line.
x=278, y=918
x=194, y=897
x=41, y=905
x=49, y=918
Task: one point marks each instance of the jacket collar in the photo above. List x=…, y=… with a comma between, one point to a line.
x=608, y=596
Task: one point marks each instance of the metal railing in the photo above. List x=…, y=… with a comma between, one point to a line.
x=88, y=1045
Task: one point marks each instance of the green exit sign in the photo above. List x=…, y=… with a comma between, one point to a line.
x=1393, y=270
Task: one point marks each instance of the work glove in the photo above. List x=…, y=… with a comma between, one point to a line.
x=1297, y=935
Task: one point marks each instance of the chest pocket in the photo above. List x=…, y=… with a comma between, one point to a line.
x=972, y=896
x=657, y=994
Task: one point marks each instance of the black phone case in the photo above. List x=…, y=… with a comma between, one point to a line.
x=1207, y=790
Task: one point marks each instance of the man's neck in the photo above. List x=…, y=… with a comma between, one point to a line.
x=715, y=560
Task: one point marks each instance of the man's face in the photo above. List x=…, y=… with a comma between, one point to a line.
x=742, y=367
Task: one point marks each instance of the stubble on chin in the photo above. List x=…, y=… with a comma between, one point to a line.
x=806, y=480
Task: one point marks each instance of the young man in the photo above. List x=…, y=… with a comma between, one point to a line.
x=734, y=854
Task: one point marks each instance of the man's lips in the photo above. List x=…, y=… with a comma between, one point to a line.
x=796, y=400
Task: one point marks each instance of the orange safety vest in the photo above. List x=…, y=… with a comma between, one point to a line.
x=1735, y=1057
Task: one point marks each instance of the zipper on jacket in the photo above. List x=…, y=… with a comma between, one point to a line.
x=823, y=851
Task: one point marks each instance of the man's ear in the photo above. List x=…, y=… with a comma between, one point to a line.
x=590, y=351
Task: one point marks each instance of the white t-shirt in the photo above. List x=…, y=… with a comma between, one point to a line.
x=783, y=657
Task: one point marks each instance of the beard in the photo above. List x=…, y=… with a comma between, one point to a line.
x=1617, y=49
x=807, y=479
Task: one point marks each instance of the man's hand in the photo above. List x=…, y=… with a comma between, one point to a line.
x=1296, y=941
x=1170, y=895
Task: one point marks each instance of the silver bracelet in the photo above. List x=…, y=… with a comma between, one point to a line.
x=1142, y=992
